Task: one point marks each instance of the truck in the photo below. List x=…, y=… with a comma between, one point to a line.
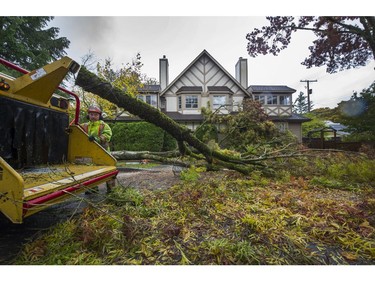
x=45, y=158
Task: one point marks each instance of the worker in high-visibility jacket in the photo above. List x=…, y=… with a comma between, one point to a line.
x=100, y=132
x=96, y=128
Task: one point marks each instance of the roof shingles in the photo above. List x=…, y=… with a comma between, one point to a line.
x=257, y=89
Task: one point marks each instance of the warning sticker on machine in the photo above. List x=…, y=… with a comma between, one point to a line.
x=35, y=189
x=38, y=73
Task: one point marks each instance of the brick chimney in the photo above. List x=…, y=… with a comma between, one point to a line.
x=163, y=72
x=241, y=72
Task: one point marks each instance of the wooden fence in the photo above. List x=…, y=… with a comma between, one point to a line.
x=335, y=144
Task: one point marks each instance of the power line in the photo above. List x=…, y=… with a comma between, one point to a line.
x=309, y=92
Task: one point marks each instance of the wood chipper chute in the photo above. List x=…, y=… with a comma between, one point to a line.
x=44, y=157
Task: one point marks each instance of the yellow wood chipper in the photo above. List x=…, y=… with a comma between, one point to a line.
x=44, y=157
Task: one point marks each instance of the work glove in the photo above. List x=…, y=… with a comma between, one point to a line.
x=103, y=139
x=91, y=138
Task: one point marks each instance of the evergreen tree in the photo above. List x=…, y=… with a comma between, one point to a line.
x=29, y=42
x=300, y=105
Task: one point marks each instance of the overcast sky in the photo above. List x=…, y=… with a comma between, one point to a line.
x=181, y=30
x=182, y=38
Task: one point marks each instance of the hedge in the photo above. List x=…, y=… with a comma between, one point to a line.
x=140, y=136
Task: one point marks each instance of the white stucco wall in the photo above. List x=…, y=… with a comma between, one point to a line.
x=171, y=103
x=296, y=129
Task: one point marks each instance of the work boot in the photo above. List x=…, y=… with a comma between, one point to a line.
x=110, y=184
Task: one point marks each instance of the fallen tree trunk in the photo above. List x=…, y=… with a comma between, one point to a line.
x=168, y=157
x=139, y=155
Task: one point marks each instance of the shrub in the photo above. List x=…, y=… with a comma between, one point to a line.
x=169, y=143
x=138, y=136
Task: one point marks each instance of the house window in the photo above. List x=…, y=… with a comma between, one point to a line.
x=218, y=101
x=179, y=102
x=282, y=126
x=260, y=99
x=150, y=99
x=191, y=102
x=271, y=99
x=285, y=100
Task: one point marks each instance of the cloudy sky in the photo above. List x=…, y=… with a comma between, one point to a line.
x=181, y=32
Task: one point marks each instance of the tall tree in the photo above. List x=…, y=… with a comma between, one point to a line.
x=342, y=42
x=300, y=105
x=29, y=43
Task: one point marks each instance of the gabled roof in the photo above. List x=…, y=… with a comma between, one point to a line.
x=204, y=52
x=277, y=89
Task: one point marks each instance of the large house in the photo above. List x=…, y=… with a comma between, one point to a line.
x=205, y=83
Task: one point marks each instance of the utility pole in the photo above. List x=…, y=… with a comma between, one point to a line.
x=309, y=92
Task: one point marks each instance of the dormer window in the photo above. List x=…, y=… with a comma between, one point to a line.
x=220, y=97
x=191, y=102
x=188, y=102
x=218, y=101
x=150, y=99
x=149, y=94
x=272, y=99
x=261, y=99
x=188, y=97
x=273, y=96
x=285, y=100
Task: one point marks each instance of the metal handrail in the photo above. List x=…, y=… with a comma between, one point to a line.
x=24, y=71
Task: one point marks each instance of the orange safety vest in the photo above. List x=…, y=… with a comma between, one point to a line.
x=85, y=127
